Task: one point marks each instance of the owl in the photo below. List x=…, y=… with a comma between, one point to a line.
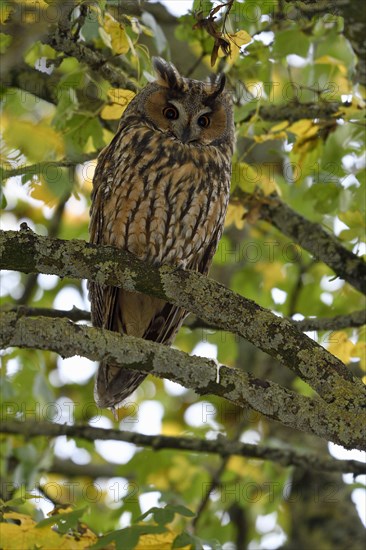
x=160, y=191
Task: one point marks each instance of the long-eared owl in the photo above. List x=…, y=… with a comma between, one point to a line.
x=160, y=190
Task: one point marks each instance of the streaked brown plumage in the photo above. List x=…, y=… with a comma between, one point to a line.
x=160, y=190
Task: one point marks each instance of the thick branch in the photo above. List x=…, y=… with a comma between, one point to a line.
x=34, y=82
x=311, y=236
x=221, y=446
x=24, y=251
x=346, y=427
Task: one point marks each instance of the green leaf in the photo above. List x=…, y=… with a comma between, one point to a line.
x=180, y=509
x=127, y=539
x=64, y=521
x=5, y=41
x=3, y=201
x=83, y=130
x=185, y=539
x=291, y=41
x=165, y=515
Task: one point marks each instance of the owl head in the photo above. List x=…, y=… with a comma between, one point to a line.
x=189, y=111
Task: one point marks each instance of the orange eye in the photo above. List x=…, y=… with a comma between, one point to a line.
x=203, y=121
x=171, y=113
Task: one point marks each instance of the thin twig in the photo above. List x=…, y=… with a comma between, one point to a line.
x=221, y=446
x=216, y=477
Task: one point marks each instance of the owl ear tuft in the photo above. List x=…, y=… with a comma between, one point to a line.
x=167, y=74
x=219, y=85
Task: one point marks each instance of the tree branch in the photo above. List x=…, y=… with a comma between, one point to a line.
x=27, y=252
x=64, y=42
x=221, y=446
x=352, y=320
x=75, y=314
x=335, y=423
x=295, y=111
x=32, y=81
x=311, y=236
x=40, y=167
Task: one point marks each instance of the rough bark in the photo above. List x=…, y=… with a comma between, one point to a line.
x=311, y=236
x=332, y=422
x=212, y=302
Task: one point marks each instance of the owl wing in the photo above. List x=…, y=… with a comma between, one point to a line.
x=112, y=384
x=168, y=322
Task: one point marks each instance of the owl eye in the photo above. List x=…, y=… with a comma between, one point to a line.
x=171, y=113
x=203, y=121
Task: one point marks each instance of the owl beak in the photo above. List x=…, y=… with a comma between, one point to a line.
x=185, y=136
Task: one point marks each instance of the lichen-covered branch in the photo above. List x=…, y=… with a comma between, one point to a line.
x=221, y=446
x=346, y=427
x=338, y=322
x=295, y=111
x=75, y=314
x=354, y=319
x=64, y=42
x=311, y=236
x=215, y=304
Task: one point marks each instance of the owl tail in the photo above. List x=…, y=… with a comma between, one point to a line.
x=114, y=384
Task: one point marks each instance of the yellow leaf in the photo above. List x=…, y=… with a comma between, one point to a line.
x=5, y=12
x=300, y=127
x=341, y=346
x=269, y=136
x=119, y=39
x=329, y=60
x=235, y=214
x=40, y=191
x=181, y=473
x=37, y=142
x=272, y=273
x=24, y=534
x=359, y=350
x=161, y=541
x=352, y=218
x=280, y=126
x=236, y=40
x=244, y=175
x=251, y=177
x=307, y=137
x=237, y=465
x=268, y=184
x=119, y=98
x=171, y=428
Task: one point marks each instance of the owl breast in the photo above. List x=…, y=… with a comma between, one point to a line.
x=165, y=200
